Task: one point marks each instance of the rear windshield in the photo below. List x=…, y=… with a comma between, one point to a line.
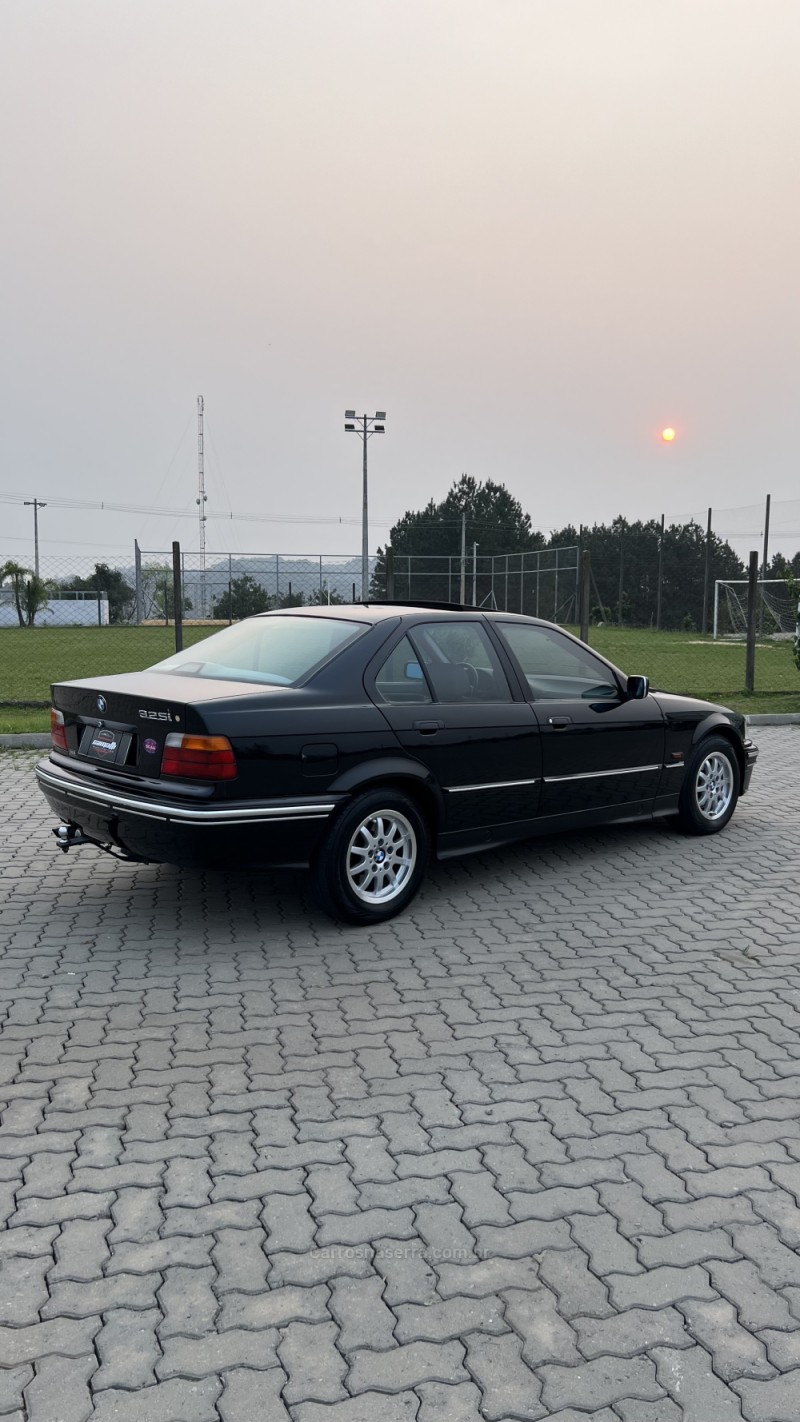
x=272, y=651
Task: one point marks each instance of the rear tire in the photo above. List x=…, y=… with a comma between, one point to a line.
x=710, y=788
x=373, y=859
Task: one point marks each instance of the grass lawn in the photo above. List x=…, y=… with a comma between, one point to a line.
x=32, y=658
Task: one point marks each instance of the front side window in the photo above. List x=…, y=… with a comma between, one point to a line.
x=401, y=680
x=460, y=662
x=555, y=667
x=271, y=651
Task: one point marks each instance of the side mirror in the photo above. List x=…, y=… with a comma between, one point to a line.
x=638, y=687
x=414, y=672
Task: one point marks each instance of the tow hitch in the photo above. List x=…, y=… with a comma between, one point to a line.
x=69, y=836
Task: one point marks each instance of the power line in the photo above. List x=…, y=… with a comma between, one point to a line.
x=106, y=507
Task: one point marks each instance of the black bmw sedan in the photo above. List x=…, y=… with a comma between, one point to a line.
x=358, y=741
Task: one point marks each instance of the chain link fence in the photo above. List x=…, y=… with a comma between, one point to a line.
x=90, y=617
x=542, y=582
x=672, y=606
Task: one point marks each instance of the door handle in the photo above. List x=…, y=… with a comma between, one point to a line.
x=428, y=728
x=560, y=722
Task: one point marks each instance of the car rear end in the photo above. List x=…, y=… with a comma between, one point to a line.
x=135, y=768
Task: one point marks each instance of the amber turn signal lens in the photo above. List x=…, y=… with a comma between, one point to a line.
x=198, y=757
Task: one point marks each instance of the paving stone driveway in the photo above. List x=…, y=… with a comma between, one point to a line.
x=531, y=1151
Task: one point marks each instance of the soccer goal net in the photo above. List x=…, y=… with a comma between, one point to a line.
x=777, y=611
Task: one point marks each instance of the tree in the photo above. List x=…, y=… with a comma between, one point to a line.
x=158, y=594
x=29, y=591
x=633, y=550
x=243, y=598
x=108, y=581
x=427, y=543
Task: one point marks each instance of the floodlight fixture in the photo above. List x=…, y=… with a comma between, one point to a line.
x=364, y=426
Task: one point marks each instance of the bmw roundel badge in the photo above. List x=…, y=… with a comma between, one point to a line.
x=101, y=704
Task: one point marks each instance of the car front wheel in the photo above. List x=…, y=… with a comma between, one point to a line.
x=711, y=787
x=373, y=860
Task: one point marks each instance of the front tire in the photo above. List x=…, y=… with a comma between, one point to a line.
x=710, y=788
x=373, y=860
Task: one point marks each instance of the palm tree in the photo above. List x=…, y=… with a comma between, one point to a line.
x=29, y=591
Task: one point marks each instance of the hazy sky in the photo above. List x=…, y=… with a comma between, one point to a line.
x=533, y=231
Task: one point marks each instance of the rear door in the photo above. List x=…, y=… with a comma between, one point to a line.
x=445, y=693
x=600, y=750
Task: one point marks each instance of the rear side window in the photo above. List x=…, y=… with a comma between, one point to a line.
x=460, y=662
x=271, y=651
x=401, y=680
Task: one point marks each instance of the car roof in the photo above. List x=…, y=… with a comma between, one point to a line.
x=377, y=611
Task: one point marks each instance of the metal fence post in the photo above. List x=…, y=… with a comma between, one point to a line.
x=390, y=573
x=230, y=590
x=752, y=594
x=177, y=595
x=707, y=576
x=137, y=564
x=586, y=569
x=661, y=577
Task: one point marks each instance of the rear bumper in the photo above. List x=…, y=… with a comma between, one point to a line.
x=750, y=758
x=272, y=833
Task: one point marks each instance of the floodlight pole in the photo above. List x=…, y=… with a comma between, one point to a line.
x=36, y=504
x=364, y=426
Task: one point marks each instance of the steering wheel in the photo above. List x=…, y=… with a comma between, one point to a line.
x=472, y=675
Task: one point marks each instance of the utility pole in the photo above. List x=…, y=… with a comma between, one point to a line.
x=36, y=504
x=765, y=563
x=474, y=575
x=201, y=503
x=463, y=592
x=364, y=426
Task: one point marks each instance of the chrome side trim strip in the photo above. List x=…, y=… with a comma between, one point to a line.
x=213, y=815
x=675, y=765
x=600, y=774
x=488, y=785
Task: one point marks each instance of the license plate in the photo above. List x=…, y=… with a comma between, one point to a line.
x=105, y=745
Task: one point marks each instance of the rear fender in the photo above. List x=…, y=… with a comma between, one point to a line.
x=408, y=775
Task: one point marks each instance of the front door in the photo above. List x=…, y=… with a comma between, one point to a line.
x=601, y=751
x=446, y=696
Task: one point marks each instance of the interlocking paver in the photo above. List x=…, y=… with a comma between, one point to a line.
x=127, y=1348
x=511, y=1137
x=508, y=1386
x=314, y=1366
x=688, y=1377
x=367, y=1407
x=632, y=1332
x=250, y=1396
x=364, y=1319
x=60, y=1389
x=172, y=1401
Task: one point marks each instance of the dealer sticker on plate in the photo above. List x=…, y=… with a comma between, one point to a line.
x=104, y=743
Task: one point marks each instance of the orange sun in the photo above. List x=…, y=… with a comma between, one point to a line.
x=668, y=434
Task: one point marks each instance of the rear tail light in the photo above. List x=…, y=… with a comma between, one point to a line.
x=58, y=731
x=198, y=757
